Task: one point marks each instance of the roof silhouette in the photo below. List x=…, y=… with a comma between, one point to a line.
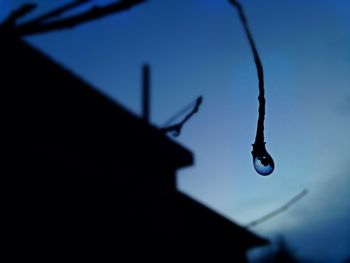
x=86, y=177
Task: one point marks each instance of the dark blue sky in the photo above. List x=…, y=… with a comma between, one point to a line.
x=197, y=47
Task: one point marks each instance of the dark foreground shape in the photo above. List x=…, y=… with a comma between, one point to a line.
x=84, y=179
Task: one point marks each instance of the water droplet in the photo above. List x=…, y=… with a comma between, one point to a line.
x=264, y=165
x=263, y=162
x=174, y=133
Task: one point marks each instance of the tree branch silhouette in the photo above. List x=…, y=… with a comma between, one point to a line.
x=56, y=12
x=261, y=157
x=260, y=71
x=23, y=10
x=279, y=210
x=176, y=128
x=75, y=20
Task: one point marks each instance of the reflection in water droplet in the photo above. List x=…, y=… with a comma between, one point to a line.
x=264, y=164
x=174, y=133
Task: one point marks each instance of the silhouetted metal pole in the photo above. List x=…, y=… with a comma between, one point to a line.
x=146, y=93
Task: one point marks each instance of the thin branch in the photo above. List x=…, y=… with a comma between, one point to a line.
x=56, y=12
x=72, y=21
x=176, y=128
x=259, y=139
x=279, y=210
x=23, y=10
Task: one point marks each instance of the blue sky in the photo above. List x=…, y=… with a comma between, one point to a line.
x=198, y=47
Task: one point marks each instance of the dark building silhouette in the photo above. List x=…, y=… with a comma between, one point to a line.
x=84, y=179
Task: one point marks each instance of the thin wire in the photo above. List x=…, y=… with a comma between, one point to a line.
x=279, y=210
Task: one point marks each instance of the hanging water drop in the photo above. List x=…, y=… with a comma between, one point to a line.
x=263, y=162
x=175, y=132
x=264, y=165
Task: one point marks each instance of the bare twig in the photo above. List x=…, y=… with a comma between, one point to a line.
x=259, y=151
x=176, y=128
x=259, y=139
x=279, y=210
x=75, y=20
x=23, y=10
x=56, y=12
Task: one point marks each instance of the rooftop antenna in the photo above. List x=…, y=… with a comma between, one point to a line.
x=175, y=129
x=146, y=93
